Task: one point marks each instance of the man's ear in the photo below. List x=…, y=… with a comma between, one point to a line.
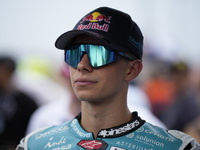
x=135, y=67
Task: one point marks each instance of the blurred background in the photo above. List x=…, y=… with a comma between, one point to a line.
x=170, y=78
x=33, y=26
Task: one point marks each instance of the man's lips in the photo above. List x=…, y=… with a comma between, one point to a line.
x=84, y=82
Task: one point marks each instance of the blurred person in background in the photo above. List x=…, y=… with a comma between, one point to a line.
x=37, y=76
x=159, y=87
x=16, y=106
x=184, y=112
x=198, y=88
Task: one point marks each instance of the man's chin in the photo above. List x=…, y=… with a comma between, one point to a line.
x=89, y=99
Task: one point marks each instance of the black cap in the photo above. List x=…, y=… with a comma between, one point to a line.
x=111, y=27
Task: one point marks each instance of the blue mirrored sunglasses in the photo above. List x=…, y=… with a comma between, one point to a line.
x=98, y=55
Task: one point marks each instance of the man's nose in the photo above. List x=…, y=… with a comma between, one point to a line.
x=84, y=64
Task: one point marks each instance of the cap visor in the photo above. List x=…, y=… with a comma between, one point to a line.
x=65, y=40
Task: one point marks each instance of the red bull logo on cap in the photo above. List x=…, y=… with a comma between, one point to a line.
x=94, y=18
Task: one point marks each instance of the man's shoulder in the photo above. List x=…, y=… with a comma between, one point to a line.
x=162, y=137
x=152, y=137
x=188, y=142
x=44, y=134
x=51, y=130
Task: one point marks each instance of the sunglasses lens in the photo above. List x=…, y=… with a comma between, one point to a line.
x=73, y=56
x=97, y=54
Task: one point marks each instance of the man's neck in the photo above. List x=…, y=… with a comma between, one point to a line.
x=101, y=116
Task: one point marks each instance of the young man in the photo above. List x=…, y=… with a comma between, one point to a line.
x=104, y=51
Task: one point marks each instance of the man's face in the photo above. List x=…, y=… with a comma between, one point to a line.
x=98, y=84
